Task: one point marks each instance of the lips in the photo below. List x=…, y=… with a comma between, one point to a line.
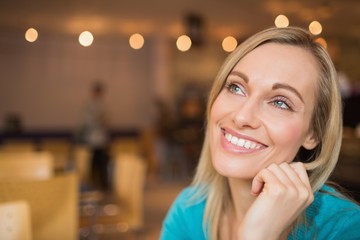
x=242, y=142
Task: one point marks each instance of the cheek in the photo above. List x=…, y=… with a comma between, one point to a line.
x=217, y=109
x=222, y=107
x=216, y=114
x=289, y=137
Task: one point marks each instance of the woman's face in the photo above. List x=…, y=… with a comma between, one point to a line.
x=263, y=114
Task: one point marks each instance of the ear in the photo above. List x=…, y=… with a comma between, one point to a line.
x=310, y=141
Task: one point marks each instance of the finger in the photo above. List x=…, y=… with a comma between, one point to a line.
x=300, y=169
x=259, y=181
x=282, y=174
x=292, y=183
x=292, y=174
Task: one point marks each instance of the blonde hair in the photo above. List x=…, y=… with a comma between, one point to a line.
x=326, y=123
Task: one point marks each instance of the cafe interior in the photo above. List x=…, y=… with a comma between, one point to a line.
x=139, y=73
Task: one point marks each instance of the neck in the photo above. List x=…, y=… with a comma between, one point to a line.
x=242, y=200
x=241, y=195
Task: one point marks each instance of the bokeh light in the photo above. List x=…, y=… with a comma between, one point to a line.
x=315, y=27
x=183, y=43
x=229, y=44
x=281, y=21
x=86, y=38
x=321, y=41
x=136, y=41
x=31, y=35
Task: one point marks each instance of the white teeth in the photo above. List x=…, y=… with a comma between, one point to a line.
x=228, y=137
x=241, y=142
x=247, y=145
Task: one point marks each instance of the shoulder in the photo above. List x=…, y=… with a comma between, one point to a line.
x=184, y=217
x=329, y=200
x=187, y=197
x=332, y=215
x=185, y=206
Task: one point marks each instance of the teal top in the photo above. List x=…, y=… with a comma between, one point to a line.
x=328, y=217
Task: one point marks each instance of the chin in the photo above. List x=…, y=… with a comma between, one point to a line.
x=235, y=172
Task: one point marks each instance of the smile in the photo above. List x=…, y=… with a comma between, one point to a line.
x=240, y=142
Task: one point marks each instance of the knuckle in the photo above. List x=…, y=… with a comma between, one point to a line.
x=265, y=172
x=271, y=166
x=283, y=164
x=293, y=193
x=299, y=165
x=278, y=191
x=306, y=195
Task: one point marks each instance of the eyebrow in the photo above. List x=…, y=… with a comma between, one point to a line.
x=275, y=86
x=241, y=75
x=288, y=87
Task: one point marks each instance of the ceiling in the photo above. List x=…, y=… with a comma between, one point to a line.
x=220, y=17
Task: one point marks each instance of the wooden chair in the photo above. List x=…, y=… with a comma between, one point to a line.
x=125, y=145
x=15, y=222
x=81, y=156
x=53, y=205
x=26, y=165
x=124, y=214
x=129, y=181
x=61, y=150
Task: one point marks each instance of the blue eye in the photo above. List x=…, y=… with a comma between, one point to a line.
x=281, y=103
x=235, y=88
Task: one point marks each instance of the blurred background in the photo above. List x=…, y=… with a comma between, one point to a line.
x=155, y=61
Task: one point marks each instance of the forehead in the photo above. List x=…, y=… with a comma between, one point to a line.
x=274, y=53
x=280, y=62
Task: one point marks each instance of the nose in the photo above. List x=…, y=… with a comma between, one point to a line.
x=247, y=115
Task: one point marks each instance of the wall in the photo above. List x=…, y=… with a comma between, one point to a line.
x=48, y=81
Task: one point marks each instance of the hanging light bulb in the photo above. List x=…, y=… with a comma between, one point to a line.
x=281, y=21
x=183, y=43
x=229, y=44
x=31, y=35
x=321, y=41
x=315, y=27
x=86, y=38
x=136, y=41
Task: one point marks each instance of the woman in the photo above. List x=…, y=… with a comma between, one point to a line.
x=273, y=138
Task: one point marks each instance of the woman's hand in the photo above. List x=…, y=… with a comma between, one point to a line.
x=283, y=191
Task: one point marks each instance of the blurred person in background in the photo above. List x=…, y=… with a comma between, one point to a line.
x=190, y=130
x=94, y=134
x=273, y=136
